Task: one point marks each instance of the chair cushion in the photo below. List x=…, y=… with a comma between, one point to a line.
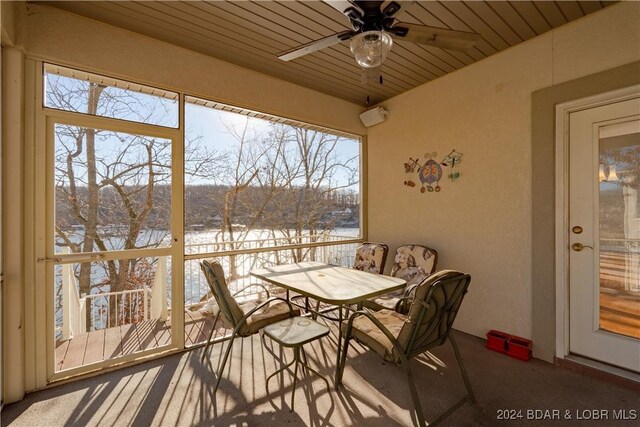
x=271, y=313
x=414, y=263
x=231, y=312
x=370, y=257
x=366, y=332
x=208, y=307
x=443, y=295
x=387, y=301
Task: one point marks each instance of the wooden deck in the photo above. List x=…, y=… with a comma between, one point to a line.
x=619, y=308
x=110, y=343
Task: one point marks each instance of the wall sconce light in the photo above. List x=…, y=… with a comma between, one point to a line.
x=607, y=173
x=602, y=176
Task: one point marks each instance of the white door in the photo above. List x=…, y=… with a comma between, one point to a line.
x=604, y=221
x=107, y=265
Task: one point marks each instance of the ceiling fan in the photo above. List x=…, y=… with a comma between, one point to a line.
x=374, y=26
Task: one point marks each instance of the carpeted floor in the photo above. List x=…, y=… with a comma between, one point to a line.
x=177, y=390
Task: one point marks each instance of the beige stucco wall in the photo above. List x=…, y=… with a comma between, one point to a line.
x=482, y=223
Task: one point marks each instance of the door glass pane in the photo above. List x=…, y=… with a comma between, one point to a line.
x=108, y=309
x=619, y=176
x=112, y=190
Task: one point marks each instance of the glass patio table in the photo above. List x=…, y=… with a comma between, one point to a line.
x=330, y=284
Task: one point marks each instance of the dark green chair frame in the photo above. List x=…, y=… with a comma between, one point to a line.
x=225, y=309
x=440, y=324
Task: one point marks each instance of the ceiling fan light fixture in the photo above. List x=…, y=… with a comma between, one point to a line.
x=370, y=48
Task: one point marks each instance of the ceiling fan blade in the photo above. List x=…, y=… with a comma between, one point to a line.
x=351, y=10
x=315, y=45
x=433, y=36
x=339, y=5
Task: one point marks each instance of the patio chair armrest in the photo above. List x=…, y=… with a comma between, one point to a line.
x=260, y=285
x=409, y=294
x=378, y=325
x=402, y=302
x=410, y=290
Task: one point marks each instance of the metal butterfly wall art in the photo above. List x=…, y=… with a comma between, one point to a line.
x=430, y=172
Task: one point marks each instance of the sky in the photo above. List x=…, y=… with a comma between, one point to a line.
x=214, y=127
x=210, y=124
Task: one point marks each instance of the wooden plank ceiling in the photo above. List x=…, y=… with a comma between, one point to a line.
x=251, y=33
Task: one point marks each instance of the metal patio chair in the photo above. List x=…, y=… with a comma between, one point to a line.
x=413, y=263
x=398, y=338
x=245, y=319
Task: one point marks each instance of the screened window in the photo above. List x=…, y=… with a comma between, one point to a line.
x=82, y=92
x=257, y=180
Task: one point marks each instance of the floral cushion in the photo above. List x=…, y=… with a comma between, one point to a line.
x=387, y=301
x=414, y=263
x=208, y=307
x=270, y=313
x=230, y=311
x=233, y=313
x=370, y=257
x=366, y=332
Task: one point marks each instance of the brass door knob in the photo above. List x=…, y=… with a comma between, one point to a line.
x=579, y=246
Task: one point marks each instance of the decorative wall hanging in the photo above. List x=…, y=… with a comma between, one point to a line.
x=430, y=172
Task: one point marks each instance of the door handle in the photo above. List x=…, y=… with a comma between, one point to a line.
x=579, y=247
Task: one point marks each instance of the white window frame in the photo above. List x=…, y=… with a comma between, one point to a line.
x=37, y=308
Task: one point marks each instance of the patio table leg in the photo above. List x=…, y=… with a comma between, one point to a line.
x=294, y=339
x=281, y=370
x=339, y=339
x=296, y=356
x=304, y=362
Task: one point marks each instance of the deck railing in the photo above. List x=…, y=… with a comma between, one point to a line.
x=334, y=249
x=130, y=306
x=108, y=309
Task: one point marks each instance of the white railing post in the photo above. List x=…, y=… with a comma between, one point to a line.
x=145, y=301
x=159, y=291
x=82, y=310
x=73, y=307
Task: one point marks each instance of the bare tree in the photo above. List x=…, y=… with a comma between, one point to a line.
x=311, y=172
x=114, y=188
x=286, y=182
